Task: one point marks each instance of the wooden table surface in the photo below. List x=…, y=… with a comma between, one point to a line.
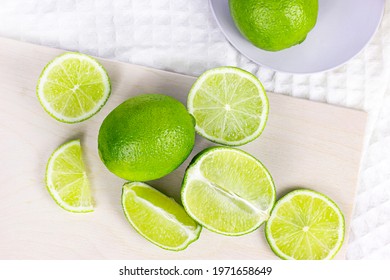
x=305, y=144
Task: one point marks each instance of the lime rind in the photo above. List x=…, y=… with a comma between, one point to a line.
x=146, y=137
x=193, y=170
x=49, y=184
x=286, y=198
x=57, y=61
x=243, y=75
x=193, y=235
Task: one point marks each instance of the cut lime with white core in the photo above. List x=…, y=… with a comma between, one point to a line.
x=66, y=178
x=230, y=106
x=157, y=217
x=305, y=225
x=228, y=191
x=73, y=87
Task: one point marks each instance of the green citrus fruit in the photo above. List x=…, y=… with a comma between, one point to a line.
x=73, y=87
x=146, y=137
x=228, y=191
x=274, y=25
x=66, y=178
x=305, y=225
x=230, y=106
x=158, y=218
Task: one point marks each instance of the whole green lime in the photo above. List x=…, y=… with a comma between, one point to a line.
x=274, y=25
x=146, y=137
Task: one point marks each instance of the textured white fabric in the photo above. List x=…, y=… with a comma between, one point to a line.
x=182, y=36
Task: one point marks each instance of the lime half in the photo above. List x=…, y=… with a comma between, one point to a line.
x=228, y=191
x=157, y=217
x=73, y=87
x=305, y=225
x=230, y=106
x=66, y=178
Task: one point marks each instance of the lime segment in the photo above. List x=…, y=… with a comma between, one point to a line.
x=66, y=178
x=305, y=225
x=228, y=191
x=230, y=106
x=73, y=87
x=157, y=217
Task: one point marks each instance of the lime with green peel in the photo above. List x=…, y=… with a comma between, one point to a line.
x=274, y=25
x=157, y=217
x=146, y=137
x=230, y=106
x=305, y=225
x=73, y=87
x=66, y=178
x=228, y=191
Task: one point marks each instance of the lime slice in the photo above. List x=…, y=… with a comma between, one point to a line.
x=228, y=191
x=66, y=178
x=305, y=225
x=157, y=217
x=230, y=106
x=73, y=87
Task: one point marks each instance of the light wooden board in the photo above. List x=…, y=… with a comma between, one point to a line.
x=305, y=144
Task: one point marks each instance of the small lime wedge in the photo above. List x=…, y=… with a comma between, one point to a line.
x=157, y=217
x=230, y=106
x=305, y=225
x=73, y=87
x=66, y=178
x=228, y=191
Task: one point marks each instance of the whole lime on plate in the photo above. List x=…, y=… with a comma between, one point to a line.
x=146, y=137
x=274, y=25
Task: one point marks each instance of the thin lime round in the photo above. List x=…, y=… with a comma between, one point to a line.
x=157, y=217
x=305, y=225
x=274, y=25
x=66, y=178
x=228, y=191
x=146, y=137
x=230, y=106
x=73, y=87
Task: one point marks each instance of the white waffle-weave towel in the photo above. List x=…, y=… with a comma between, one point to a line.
x=182, y=36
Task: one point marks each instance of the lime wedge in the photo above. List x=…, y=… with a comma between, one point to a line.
x=66, y=178
x=305, y=225
x=228, y=191
x=230, y=106
x=73, y=87
x=157, y=217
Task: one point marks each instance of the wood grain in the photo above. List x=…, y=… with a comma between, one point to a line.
x=305, y=144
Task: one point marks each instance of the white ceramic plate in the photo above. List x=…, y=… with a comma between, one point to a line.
x=343, y=28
